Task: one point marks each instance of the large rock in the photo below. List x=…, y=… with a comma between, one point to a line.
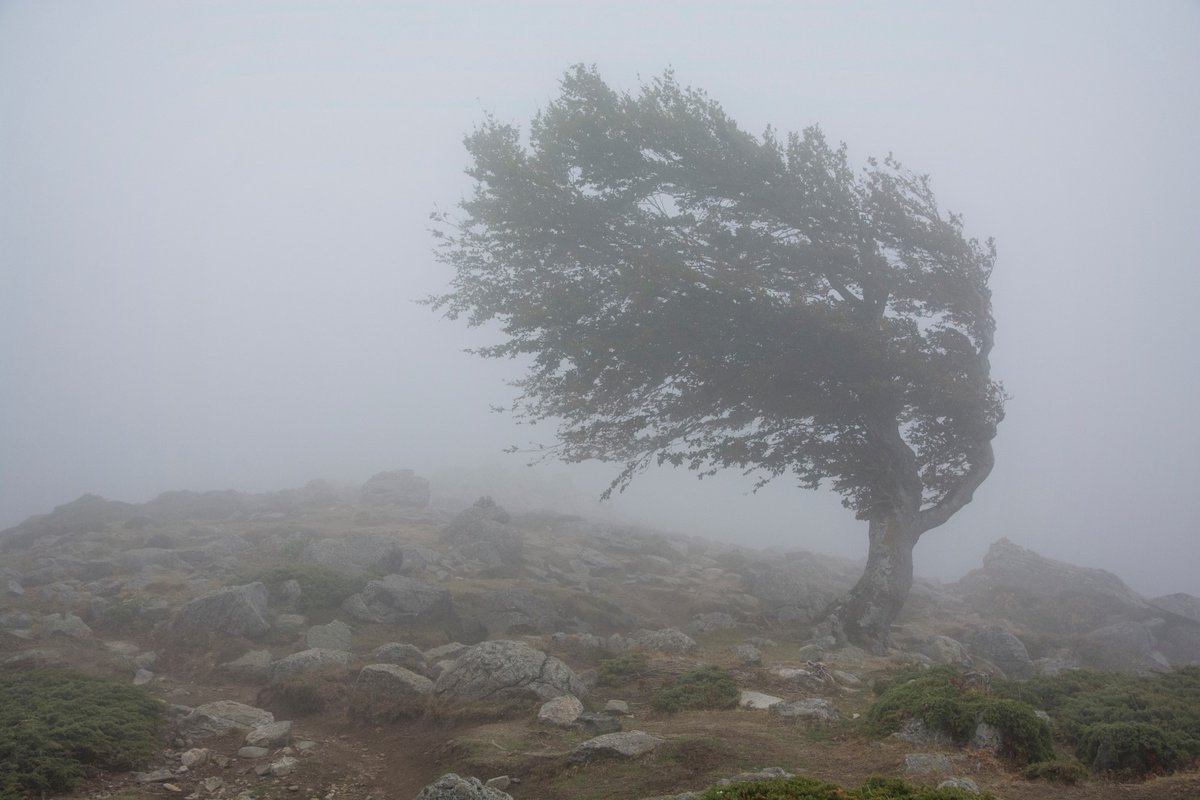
x=220, y=717
x=507, y=668
x=1127, y=645
x=482, y=532
x=812, y=709
x=1003, y=649
x=627, y=744
x=398, y=600
x=514, y=611
x=797, y=587
x=408, y=656
x=366, y=550
x=237, y=610
x=454, y=787
x=400, y=487
x=561, y=711
x=307, y=661
x=1048, y=595
x=335, y=635
x=392, y=680
x=1180, y=603
x=667, y=640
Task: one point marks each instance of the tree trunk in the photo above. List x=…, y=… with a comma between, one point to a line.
x=864, y=616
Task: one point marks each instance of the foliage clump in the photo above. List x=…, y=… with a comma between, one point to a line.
x=622, y=669
x=942, y=700
x=321, y=588
x=1122, y=724
x=705, y=687
x=809, y=789
x=1059, y=770
x=55, y=724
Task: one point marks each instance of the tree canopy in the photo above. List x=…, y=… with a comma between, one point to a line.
x=689, y=293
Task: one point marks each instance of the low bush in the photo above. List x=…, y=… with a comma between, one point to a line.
x=1122, y=724
x=622, y=669
x=56, y=724
x=1068, y=771
x=940, y=698
x=809, y=789
x=705, y=687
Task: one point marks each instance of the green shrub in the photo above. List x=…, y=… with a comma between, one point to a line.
x=940, y=699
x=1068, y=771
x=54, y=723
x=622, y=669
x=1119, y=723
x=809, y=789
x=706, y=687
x=321, y=588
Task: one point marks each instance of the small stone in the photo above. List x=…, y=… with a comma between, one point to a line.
x=616, y=708
x=499, y=783
x=561, y=711
x=196, y=757
x=213, y=784
x=284, y=767
x=966, y=784
x=142, y=677
x=597, y=724
x=252, y=752
x=170, y=787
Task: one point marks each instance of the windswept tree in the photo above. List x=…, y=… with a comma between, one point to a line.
x=688, y=293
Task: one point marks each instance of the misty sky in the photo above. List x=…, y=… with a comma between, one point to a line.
x=213, y=230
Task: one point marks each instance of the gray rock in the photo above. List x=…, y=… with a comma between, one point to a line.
x=445, y=652
x=915, y=731
x=1003, y=649
x=768, y=774
x=364, y=550
x=66, y=625
x=944, y=650
x=628, y=744
x=1181, y=603
x=284, y=767
x=271, y=734
x=712, y=621
x=561, y=711
x=393, y=680
x=220, y=717
x=616, y=708
x=515, y=611
x=798, y=588
x=454, y=787
x=237, y=610
x=404, y=655
x=801, y=678
x=335, y=635
x=482, y=532
x=757, y=701
x=307, y=661
x=987, y=737
x=666, y=640
x=500, y=782
x=747, y=654
x=154, y=776
x=290, y=593
x=927, y=764
x=508, y=668
x=812, y=709
x=196, y=757
x=142, y=677
x=596, y=724
x=289, y=625
x=965, y=784
x=254, y=665
x=399, y=600
x=396, y=488
x=1125, y=645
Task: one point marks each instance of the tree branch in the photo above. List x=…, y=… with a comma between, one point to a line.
x=961, y=494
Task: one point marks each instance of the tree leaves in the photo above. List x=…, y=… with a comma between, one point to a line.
x=694, y=295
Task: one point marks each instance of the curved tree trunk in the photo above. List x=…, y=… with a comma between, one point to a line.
x=864, y=616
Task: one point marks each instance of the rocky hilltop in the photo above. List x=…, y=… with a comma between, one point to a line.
x=334, y=640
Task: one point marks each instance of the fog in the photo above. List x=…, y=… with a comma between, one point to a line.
x=213, y=229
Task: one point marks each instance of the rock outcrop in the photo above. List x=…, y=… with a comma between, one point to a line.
x=237, y=610
x=508, y=669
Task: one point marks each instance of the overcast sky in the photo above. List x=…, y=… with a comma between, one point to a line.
x=213, y=228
